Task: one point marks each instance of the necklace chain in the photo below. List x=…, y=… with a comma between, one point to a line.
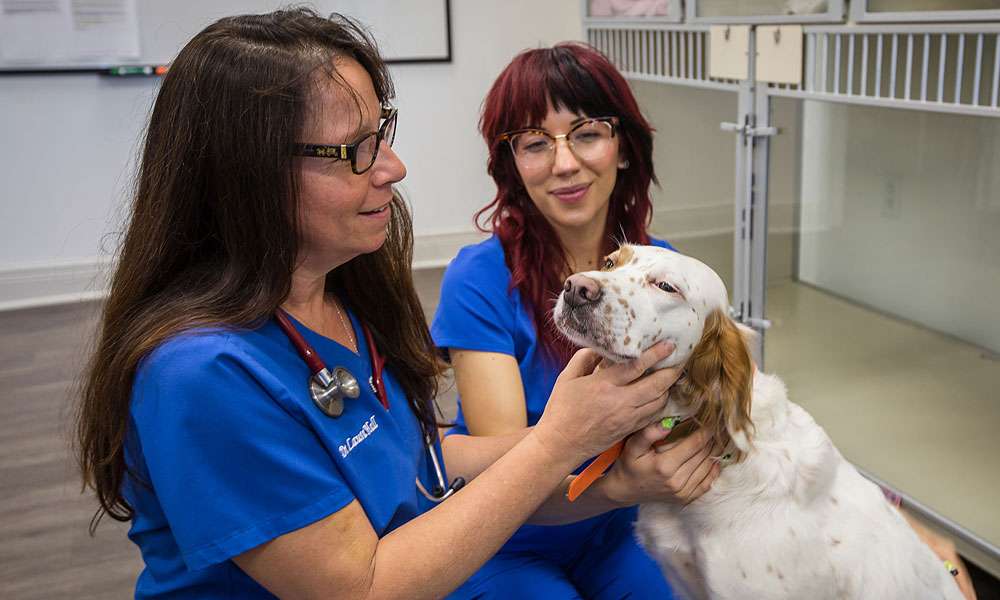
x=348, y=330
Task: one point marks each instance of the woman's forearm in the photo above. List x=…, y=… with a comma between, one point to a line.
x=467, y=456
x=558, y=510
x=457, y=537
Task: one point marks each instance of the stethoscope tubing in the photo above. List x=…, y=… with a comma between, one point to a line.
x=306, y=351
x=439, y=493
x=341, y=383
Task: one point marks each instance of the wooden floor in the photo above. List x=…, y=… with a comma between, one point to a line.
x=45, y=549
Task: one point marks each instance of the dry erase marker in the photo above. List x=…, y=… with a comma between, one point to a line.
x=142, y=70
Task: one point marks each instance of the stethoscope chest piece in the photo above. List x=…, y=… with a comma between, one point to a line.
x=328, y=390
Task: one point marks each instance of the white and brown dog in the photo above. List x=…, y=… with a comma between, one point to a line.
x=789, y=517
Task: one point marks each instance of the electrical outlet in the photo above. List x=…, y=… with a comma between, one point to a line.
x=891, y=208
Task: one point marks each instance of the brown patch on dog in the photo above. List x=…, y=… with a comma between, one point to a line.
x=834, y=542
x=834, y=501
x=607, y=309
x=627, y=340
x=718, y=380
x=623, y=302
x=625, y=255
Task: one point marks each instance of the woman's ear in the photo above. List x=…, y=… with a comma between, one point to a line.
x=720, y=375
x=622, y=159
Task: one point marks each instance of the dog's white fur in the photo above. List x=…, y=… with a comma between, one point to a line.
x=792, y=519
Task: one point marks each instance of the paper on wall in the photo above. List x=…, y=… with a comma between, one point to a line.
x=66, y=32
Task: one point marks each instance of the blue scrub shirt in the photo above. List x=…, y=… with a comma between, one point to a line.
x=231, y=452
x=477, y=311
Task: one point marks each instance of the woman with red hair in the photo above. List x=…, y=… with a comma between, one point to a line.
x=571, y=155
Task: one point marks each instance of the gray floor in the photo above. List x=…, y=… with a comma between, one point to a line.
x=47, y=552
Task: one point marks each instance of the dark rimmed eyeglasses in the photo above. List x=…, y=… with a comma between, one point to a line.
x=534, y=148
x=363, y=152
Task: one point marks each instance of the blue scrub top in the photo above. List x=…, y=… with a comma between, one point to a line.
x=231, y=453
x=478, y=311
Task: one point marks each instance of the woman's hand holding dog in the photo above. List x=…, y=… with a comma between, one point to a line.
x=679, y=471
x=590, y=411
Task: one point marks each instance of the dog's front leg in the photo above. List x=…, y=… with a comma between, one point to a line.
x=659, y=530
x=685, y=578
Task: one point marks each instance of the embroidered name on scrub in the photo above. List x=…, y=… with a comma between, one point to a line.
x=366, y=430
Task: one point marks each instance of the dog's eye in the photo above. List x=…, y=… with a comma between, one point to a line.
x=666, y=287
x=608, y=264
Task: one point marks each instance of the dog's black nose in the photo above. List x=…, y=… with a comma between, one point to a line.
x=580, y=289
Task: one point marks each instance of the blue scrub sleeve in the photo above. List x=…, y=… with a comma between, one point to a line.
x=661, y=243
x=475, y=311
x=231, y=466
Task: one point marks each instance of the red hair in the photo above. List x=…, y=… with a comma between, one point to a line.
x=578, y=78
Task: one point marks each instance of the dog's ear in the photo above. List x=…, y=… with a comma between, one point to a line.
x=720, y=380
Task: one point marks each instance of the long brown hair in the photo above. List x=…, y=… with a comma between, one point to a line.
x=212, y=238
x=579, y=78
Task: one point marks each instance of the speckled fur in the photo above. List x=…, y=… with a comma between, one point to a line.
x=793, y=519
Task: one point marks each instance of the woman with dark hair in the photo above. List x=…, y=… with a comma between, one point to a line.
x=571, y=155
x=266, y=239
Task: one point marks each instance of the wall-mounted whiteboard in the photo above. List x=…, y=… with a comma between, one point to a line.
x=86, y=35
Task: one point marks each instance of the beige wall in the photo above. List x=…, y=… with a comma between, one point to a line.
x=695, y=161
x=901, y=211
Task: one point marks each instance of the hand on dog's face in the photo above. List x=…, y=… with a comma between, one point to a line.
x=589, y=411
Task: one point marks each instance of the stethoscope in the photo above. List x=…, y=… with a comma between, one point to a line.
x=328, y=390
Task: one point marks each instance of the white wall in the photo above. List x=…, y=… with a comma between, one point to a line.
x=437, y=135
x=67, y=143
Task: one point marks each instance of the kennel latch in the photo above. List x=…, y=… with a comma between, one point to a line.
x=753, y=322
x=748, y=130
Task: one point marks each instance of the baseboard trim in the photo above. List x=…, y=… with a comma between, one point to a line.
x=57, y=282
x=436, y=251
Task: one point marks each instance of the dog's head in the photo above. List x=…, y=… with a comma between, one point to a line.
x=643, y=295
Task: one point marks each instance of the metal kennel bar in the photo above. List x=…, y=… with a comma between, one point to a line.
x=939, y=68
